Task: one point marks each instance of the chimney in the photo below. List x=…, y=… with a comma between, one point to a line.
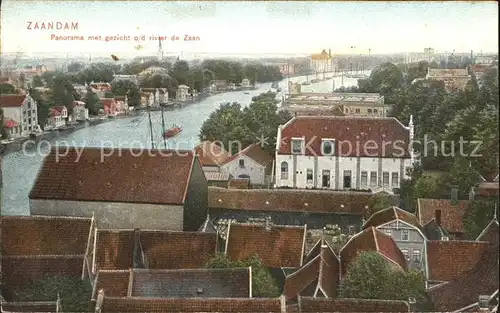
x=483, y=303
x=438, y=217
x=268, y=223
x=454, y=194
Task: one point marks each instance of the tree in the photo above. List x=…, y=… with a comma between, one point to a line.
x=43, y=107
x=180, y=72
x=430, y=185
x=122, y=87
x=93, y=103
x=263, y=283
x=37, y=81
x=477, y=216
x=100, y=72
x=463, y=176
x=74, y=67
x=3, y=131
x=371, y=277
x=6, y=89
x=75, y=293
x=378, y=202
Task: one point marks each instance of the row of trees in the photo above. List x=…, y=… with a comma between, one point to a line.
x=258, y=121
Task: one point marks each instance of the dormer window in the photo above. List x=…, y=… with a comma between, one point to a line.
x=298, y=146
x=242, y=162
x=327, y=147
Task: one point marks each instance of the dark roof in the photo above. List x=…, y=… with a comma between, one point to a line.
x=465, y=289
x=449, y=259
x=389, y=215
x=490, y=233
x=128, y=175
x=368, y=240
x=183, y=283
x=254, y=152
x=355, y=130
x=289, y=200
x=32, y=307
x=238, y=183
x=433, y=231
x=19, y=271
x=322, y=271
x=44, y=235
x=211, y=154
x=322, y=305
x=185, y=305
x=162, y=249
x=451, y=214
x=280, y=246
x=11, y=100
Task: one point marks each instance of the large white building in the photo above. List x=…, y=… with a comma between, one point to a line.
x=343, y=152
x=20, y=114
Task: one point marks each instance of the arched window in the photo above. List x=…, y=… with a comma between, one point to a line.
x=284, y=170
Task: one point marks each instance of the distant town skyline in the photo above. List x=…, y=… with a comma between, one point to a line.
x=247, y=28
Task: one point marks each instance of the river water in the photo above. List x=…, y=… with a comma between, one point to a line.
x=20, y=168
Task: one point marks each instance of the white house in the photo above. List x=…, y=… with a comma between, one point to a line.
x=182, y=93
x=21, y=110
x=80, y=112
x=245, y=83
x=58, y=116
x=343, y=152
x=252, y=162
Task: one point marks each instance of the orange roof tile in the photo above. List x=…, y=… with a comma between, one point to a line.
x=289, y=200
x=389, y=215
x=44, y=235
x=45, y=306
x=451, y=214
x=114, y=249
x=254, y=152
x=185, y=305
x=7, y=101
x=114, y=282
x=449, y=259
x=320, y=305
x=371, y=239
x=128, y=175
x=280, y=246
x=211, y=154
x=348, y=129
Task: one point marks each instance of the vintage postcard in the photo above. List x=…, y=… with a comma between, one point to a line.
x=249, y=157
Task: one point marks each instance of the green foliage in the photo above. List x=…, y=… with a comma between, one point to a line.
x=430, y=185
x=74, y=67
x=93, y=103
x=37, y=81
x=263, y=283
x=75, y=293
x=379, y=201
x=230, y=124
x=6, y=89
x=477, y=216
x=371, y=277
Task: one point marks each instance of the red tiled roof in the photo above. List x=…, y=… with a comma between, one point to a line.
x=107, y=101
x=19, y=271
x=10, y=123
x=7, y=101
x=163, y=249
x=451, y=214
x=44, y=235
x=281, y=246
x=55, y=112
x=178, y=250
x=128, y=175
x=466, y=288
x=185, y=305
x=490, y=233
x=449, y=259
x=389, y=135
x=238, y=183
x=114, y=282
x=322, y=305
x=211, y=154
x=45, y=306
x=389, y=215
x=323, y=270
x=254, y=152
x=289, y=200
x=371, y=239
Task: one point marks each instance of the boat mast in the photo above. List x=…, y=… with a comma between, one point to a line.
x=151, y=128
x=163, y=129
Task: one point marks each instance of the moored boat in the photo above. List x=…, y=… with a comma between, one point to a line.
x=172, y=132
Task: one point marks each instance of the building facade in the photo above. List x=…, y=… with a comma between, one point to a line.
x=453, y=78
x=22, y=111
x=332, y=153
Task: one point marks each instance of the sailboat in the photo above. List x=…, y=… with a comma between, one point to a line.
x=172, y=132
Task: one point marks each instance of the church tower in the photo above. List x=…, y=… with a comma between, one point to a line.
x=160, y=51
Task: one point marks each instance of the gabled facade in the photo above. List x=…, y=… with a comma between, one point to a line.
x=125, y=189
x=338, y=152
x=454, y=79
x=404, y=228
x=80, y=112
x=252, y=162
x=22, y=111
x=211, y=155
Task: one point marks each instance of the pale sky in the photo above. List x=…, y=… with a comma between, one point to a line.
x=255, y=27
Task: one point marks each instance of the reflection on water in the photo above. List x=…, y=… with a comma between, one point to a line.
x=20, y=168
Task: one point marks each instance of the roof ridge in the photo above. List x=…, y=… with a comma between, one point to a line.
x=375, y=238
x=263, y=226
x=189, y=270
x=43, y=256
